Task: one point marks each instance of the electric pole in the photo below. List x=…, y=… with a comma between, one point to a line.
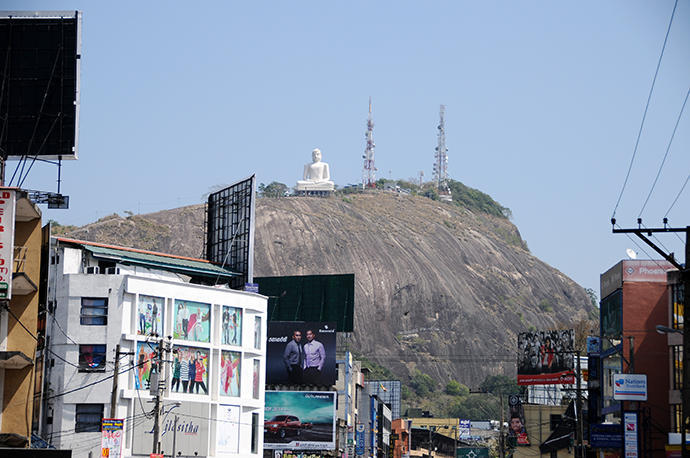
x=113, y=396
x=685, y=275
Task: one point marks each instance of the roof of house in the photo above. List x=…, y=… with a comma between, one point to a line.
x=152, y=259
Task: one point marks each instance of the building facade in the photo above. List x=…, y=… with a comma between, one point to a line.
x=127, y=328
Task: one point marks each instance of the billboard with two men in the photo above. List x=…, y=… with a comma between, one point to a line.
x=300, y=420
x=300, y=353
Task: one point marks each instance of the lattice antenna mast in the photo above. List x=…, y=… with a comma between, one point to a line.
x=369, y=170
x=441, y=158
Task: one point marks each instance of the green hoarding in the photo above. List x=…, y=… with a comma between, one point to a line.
x=311, y=298
x=472, y=452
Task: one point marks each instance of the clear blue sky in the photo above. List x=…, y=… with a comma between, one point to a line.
x=544, y=101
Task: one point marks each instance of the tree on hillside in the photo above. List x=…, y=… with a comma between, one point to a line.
x=273, y=189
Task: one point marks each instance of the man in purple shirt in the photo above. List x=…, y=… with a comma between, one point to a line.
x=314, y=359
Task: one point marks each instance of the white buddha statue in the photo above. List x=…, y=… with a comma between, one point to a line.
x=317, y=176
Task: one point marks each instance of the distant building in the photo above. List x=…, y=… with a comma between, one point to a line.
x=153, y=306
x=20, y=266
x=389, y=391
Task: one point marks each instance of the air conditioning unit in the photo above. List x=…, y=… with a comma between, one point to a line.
x=112, y=271
x=93, y=270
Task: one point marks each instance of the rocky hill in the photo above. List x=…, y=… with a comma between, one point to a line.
x=439, y=288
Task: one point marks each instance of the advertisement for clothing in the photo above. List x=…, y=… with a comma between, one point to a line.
x=192, y=321
x=546, y=357
x=150, y=316
x=231, y=326
x=189, y=370
x=300, y=353
x=230, y=362
x=300, y=420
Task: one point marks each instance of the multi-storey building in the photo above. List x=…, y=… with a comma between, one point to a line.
x=127, y=327
x=20, y=259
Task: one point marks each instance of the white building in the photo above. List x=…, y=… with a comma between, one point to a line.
x=212, y=377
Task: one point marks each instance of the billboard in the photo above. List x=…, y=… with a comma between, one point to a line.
x=300, y=353
x=190, y=370
x=546, y=357
x=192, y=321
x=111, y=437
x=300, y=420
x=39, y=94
x=311, y=298
x=630, y=387
x=231, y=326
x=228, y=429
x=230, y=230
x=145, y=365
x=150, y=315
x=192, y=428
x=230, y=367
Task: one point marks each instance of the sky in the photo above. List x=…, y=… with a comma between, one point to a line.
x=544, y=101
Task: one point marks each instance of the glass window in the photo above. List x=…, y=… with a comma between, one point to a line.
x=257, y=332
x=255, y=433
x=94, y=311
x=88, y=418
x=91, y=358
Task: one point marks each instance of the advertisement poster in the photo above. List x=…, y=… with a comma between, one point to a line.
x=300, y=353
x=230, y=366
x=146, y=357
x=300, y=420
x=150, y=316
x=189, y=370
x=192, y=321
x=8, y=200
x=630, y=434
x=111, y=437
x=257, y=379
x=516, y=425
x=192, y=426
x=464, y=429
x=630, y=387
x=231, y=326
x=228, y=429
x=546, y=357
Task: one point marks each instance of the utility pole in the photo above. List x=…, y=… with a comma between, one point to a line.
x=113, y=396
x=157, y=400
x=580, y=426
x=501, y=438
x=685, y=274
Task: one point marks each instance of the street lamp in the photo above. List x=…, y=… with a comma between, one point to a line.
x=661, y=329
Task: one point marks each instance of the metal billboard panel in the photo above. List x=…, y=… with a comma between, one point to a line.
x=230, y=230
x=40, y=55
x=311, y=298
x=546, y=357
x=300, y=420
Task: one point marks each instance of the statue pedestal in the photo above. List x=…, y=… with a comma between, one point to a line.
x=314, y=189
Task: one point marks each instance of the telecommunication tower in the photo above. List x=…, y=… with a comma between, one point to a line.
x=441, y=159
x=369, y=170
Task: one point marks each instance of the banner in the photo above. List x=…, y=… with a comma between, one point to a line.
x=111, y=437
x=8, y=200
x=546, y=357
x=231, y=326
x=300, y=420
x=192, y=321
x=150, y=315
x=300, y=353
x=516, y=426
x=228, y=429
x=230, y=366
x=190, y=370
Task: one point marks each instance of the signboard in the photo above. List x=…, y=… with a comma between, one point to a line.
x=111, y=437
x=192, y=428
x=516, y=426
x=228, y=429
x=605, y=436
x=192, y=321
x=150, y=315
x=633, y=271
x=465, y=427
x=593, y=346
x=546, y=357
x=472, y=452
x=8, y=201
x=300, y=353
x=359, y=439
x=629, y=387
x=300, y=420
x=630, y=434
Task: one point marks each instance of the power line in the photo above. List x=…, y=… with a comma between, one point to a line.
x=668, y=148
x=644, y=116
x=677, y=196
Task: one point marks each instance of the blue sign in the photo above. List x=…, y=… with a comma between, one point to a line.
x=605, y=436
x=251, y=287
x=359, y=439
x=593, y=345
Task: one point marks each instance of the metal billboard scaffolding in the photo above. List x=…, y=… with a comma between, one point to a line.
x=230, y=230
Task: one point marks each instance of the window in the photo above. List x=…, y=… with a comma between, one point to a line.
x=94, y=311
x=88, y=418
x=257, y=332
x=91, y=358
x=255, y=433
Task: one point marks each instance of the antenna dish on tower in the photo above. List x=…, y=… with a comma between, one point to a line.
x=369, y=169
x=631, y=253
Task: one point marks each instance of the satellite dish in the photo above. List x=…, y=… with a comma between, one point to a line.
x=631, y=253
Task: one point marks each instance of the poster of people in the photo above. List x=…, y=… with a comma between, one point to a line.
x=192, y=321
x=300, y=353
x=546, y=357
x=230, y=366
x=150, y=315
x=299, y=420
x=516, y=426
x=145, y=362
x=231, y=326
x=111, y=437
x=189, y=370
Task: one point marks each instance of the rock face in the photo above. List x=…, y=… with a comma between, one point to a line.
x=438, y=288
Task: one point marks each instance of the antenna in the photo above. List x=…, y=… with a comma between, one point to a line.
x=631, y=253
x=441, y=159
x=369, y=169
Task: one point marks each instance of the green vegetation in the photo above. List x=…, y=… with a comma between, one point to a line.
x=376, y=371
x=455, y=388
x=58, y=229
x=273, y=189
x=545, y=306
x=474, y=199
x=422, y=384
